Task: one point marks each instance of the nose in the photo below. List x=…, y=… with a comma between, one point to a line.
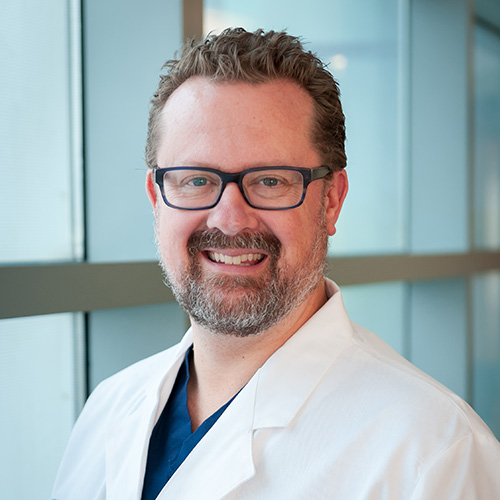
x=232, y=214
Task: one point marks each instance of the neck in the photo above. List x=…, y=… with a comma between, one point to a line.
x=223, y=364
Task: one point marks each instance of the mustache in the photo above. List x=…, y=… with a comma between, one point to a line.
x=214, y=238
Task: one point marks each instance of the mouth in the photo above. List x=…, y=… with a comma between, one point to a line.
x=245, y=259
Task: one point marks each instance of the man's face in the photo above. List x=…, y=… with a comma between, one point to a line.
x=235, y=269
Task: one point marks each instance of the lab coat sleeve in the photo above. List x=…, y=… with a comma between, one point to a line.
x=81, y=475
x=467, y=470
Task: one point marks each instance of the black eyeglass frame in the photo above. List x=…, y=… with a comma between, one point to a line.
x=308, y=175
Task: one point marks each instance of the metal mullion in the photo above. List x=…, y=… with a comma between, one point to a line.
x=192, y=19
x=377, y=269
x=47, y=289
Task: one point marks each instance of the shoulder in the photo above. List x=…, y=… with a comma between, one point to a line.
x=132, y=391
x=390, y=383
x=122, y=394
x=392, y=409
x=365, y=379
x=407, y=431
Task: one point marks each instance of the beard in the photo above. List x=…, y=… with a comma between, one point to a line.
x=240, y=305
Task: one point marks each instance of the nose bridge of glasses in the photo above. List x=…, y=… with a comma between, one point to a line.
x=237, y=178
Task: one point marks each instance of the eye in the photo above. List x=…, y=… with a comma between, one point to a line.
x=270, y=181
x=198, y=181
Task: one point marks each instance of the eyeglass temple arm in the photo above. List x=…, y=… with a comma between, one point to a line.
x=320, y=172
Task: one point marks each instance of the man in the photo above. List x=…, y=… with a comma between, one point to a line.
x=273, y=393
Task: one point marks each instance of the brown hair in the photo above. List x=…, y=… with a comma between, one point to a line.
x=240, y=56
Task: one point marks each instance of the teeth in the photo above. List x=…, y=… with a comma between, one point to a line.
x=237, y=260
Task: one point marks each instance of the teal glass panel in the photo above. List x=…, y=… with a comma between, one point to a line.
x=486, y=139
x=126, y=43
x=439, y=127
x=120, y=337
x=40, y=219
x=486, y=374
x=364, y=53
x=438, y=326
x=41, y=387
x=379, y=307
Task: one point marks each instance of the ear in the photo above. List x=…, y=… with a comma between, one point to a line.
x=151, y=189
x=335, y=194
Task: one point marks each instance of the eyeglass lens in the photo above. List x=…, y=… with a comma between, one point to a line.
x=263, y=188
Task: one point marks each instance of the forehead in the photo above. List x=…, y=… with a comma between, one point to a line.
x=209, y=122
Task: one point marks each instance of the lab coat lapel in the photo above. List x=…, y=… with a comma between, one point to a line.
x=127, y=445
x=290, y=375
x=222, y=460
x=125, y=452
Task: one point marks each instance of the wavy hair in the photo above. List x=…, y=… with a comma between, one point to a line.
x=236, y=55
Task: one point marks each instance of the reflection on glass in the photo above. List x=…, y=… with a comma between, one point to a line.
x=363, y=54
x=487, y=139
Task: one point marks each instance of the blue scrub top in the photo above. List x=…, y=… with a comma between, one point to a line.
x=172, y=440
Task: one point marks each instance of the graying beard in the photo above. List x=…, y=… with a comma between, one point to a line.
x=256, y=310
x=261, y=306
x=264, y=302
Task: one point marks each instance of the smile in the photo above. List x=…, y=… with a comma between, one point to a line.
x=246, y=259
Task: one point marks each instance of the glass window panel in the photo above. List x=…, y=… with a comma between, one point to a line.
x=439, y=127
x=41, y=384
x=120, y=337
x=486, y=376
x=126, y=44
x=486, y=139
x=364, y=55
x=438, y=326
x=36, y=130
x=380, y=307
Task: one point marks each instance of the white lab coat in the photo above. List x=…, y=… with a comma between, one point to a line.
x=333, y=414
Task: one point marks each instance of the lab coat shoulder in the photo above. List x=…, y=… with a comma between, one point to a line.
x=123, y=392
x=371, y=426
x=418, y=394
x=419, y=398
x=82, y=473
x=419, y=427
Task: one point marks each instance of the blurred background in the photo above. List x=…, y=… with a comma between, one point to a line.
x=418, y=244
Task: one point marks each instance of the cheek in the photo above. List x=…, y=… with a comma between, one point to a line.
x=169, y=236
x=300, y=233
x=294, y=233
x=173, y=229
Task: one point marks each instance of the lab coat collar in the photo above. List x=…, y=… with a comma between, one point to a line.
x=127, y=445
x=289, y=376
x=223, y=459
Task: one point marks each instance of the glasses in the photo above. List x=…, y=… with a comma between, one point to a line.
x=265, y=188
